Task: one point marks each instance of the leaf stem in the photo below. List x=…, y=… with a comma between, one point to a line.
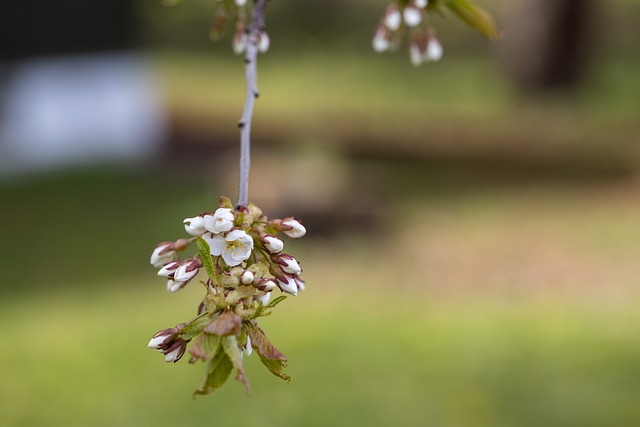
x=256, y=26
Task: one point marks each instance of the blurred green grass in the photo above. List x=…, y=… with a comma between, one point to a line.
x=442, y=332
x=358, y=359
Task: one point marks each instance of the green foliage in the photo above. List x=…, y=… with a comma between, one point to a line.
x=474, y=16
x=207, y=262
x=218, y=370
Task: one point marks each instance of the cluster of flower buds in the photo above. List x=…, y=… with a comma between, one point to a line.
x=242, y=259
x=411, y=16
x=236, y=10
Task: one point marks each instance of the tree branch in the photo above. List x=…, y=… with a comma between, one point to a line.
x=256, y=26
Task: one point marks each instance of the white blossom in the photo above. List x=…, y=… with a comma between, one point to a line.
x=288, y=284
x=273, y=244
x=241, y=3
x=234, y=248
x=221, y=221
x=293, y=228
x=421, y=3
x=412, y=16
x=392, y=19
x=194, y=226
x=162, y=254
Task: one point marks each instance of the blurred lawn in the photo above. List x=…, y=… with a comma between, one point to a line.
x=483, y=305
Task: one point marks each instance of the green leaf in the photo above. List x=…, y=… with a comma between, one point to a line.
x=236, y=295
x=204, y=347
x=270, y=356
x=195, y=327
x=218, y=370
x=277, y=301
x=474, y=16
x=205, y=255
x=230, y=345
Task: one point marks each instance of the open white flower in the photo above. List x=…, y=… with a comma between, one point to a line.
x=234, y=248
x=194, y=226
x=221, y=221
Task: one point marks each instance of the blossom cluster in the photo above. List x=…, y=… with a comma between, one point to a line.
x=411, y=16
x=241, y=254
x=238, y=11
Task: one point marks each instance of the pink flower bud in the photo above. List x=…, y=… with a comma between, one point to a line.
x=288, y=264
x=293, y=228
x=412, y=16
x=175, y=351
x=392, y=18
x=169, y=269
x=174, y=285
x=187, y=270
x=288, y=284
x=162, y=338
x=162, y=254
x=247, y=277
x=263, y=299
x=264, y=43
x=272, y=243
x=266, y=285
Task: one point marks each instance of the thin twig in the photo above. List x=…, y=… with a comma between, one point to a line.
x=256, y=26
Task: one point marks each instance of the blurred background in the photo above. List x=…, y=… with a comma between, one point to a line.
x=473, y=224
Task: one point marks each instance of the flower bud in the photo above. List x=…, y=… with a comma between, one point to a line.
x=264, y=42
x=263, y=299
x=162, y=254
x=381, y=42
x=220, y=222
x=421, y=4
x=163, y=338
x=293, y=228
x=434, y=49
x=187, y=270
x=247, y=277
x=248, y=349
x=266, y=285
x=272, y=243
x=288, y=284
x=412, y=16
x=392, y=18
x=194, y=226
x=175, y=351
x=240, y=3
x=169, y=269
x=174, y=285
x=288, y=264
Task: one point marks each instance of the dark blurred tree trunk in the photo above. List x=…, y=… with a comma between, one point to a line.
x=547, y=43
